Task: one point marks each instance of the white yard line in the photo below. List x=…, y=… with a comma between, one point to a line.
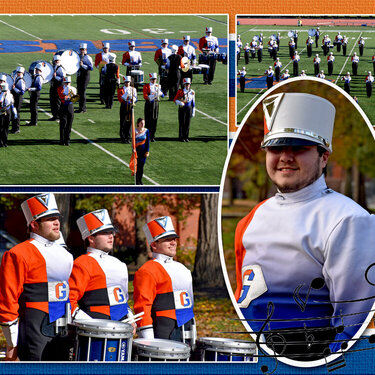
x=210, y=117
x=22, y=31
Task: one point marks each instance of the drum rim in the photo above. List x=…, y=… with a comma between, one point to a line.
x=100, y=326
x=182, y=349
x=226, y=345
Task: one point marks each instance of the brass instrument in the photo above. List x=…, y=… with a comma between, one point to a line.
x=72, y=96
x=186, y=64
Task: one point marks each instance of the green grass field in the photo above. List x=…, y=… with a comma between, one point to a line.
x=342, y=63
x=34, y=156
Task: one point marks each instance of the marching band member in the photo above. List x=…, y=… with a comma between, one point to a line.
x=269, y=79
x=296, y=59
x=247, y=53
x=111, y=73
x=285, y=75
x=316, y=64
x=278, y=39
x=295, y=38
x=239, y=46
x=174, y=73
x=187, y=50
x=34, y=89
x=210, y=45
x=127, y=96
x=373, y=61
x=309, y=44
x=260, y=52
x=347, y=80
x=338, y=41
x=242, y=74
x=361, y=45
x=185, y=99
x=161, y=58
x=303, y=74
x=142, y=143
x=83, y=76
x=344, y=44
x=369, y=80
x=55, y=82
x=151, y=93
x=330, y=61
x=321, y=74
x=155, y=284
x=326, y=44
x=355, y=61
x=253, y=47
x=6, y=110
x=101, y=59
x=260, y=38
x=317, y=34
x=19, y=88
x=277, y=65
x=66, y=94
x=270, y=46
x=34, y=285
x=292, y=47
x=132, y=58
x=99, y=281
x=274, y=49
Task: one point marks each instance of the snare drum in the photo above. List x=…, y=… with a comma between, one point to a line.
x=9, y=80
x=137, y=75
x=160, y=350
x=196, y=69
x=204, y=68
x=217, y=349
x=103, y=340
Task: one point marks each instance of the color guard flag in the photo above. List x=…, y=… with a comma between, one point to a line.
x=133, y=159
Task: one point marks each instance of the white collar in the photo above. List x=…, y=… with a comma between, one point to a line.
x=162, y=257
x=101, y=253
x=41, y=239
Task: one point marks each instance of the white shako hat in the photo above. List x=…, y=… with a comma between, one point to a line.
x=83, y=46
x=94, y=222
x=161, y=227
x=42, y=205
x=298, y=119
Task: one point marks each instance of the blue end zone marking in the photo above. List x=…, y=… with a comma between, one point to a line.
x=142, y=45
x=232, y=68
x=254, y=83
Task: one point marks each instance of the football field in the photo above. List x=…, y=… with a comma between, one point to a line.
x=95, y=155
x=256, y=81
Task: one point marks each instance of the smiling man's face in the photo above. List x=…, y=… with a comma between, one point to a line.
x=292, y=168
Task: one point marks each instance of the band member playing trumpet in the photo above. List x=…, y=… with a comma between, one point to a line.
x=55, y=83
x=369, y=81
x=34, y=89
x=316, y=64
x=161, y=58
x=83, y=76
x=347, y=80
x=6, y=108
x=111, y=73
x=242, y=74
x=151, y=94
x=185, y=99
x=132, y=59
x=68, y=95
x=210, y=45
x=330, y=61
x=101, y=59
x=355, y=61
x=127, y=96
x=18, y=89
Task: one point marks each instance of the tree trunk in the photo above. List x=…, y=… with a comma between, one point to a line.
x=65, y=205
x=140, y=241
x=207, y=267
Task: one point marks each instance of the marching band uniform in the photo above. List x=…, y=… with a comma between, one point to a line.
x=99, y=281
x=239, y=47
x=242, y=74
x=369, y=81
x=344, y=45
x=34, y=287
x=278, y=38
x=185, y=99
x=260, y=52
x=111, y=73
x=151, y=93
x=155, y=285
x=330, y=60
x=101, y=59
x=295, y=38
x=19, y=88
x=338, y=41
x=247, y=52
x=269, y=78
x=209, y=43
x=317, y=34
x=335, y=241
x=142, y=144
x=316, y=64
x=355, y=61
x=326, y=44
x=83, y=76
x=55, y=83
x=6, y=109
x=277, y=65
x=66, y=93
x=309, y=43
x=174, y=74
x=187, y=50
x=34, y=89
x=303, y=74
x=161, y=58
x=347, y=80
x=127, y=96
x=361, y=45
x=292, y=47
x=131, y=59
x=321, y=75
x=285, y=75
x=296, y=59
x=253, y=48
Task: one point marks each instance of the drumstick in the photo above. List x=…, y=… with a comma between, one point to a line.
x=133, y=318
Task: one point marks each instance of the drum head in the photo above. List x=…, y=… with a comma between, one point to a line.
x=136, y=72
x=9, y=80
x=26, y=76
x=311, y=32
x=290, y=34
x=159, y=348
x=203, y=66
x=227, y=345
x=70, y=61
x=103, y=328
